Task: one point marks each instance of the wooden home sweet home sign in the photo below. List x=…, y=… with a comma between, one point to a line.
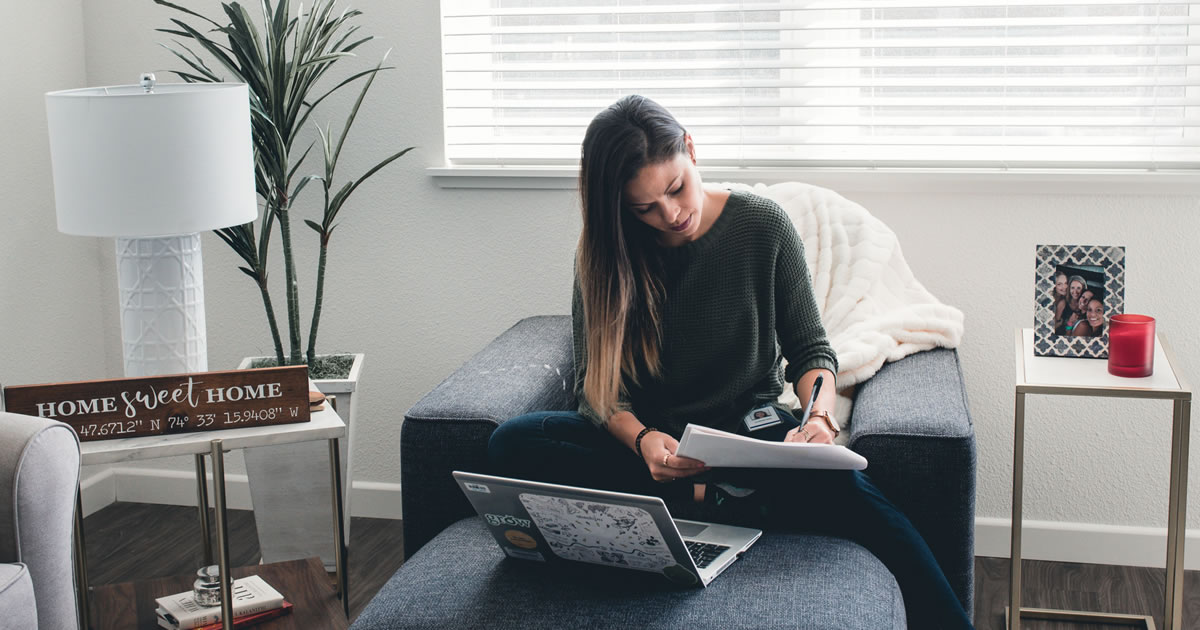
x=179, y=403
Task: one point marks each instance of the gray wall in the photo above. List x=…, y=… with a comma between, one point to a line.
x=421, y=276
x=56, y=291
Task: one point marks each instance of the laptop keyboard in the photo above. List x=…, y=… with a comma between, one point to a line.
x=704, y=553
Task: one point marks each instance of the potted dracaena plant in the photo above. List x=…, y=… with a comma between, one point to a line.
x=288, y=65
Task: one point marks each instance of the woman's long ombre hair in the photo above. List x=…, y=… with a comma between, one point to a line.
x=617, y=260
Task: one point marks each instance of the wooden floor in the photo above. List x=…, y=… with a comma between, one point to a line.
x=132, y=541
x=1077, y=586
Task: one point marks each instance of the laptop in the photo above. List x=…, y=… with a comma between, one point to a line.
x=545, y=522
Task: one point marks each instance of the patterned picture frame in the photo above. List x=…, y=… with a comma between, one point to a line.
x=1093, y=263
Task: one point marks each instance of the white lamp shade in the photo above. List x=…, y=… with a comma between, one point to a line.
x=174, y=161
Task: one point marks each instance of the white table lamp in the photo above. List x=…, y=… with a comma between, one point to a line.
x=153, y=166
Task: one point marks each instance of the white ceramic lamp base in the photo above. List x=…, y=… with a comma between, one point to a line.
x=161, y=292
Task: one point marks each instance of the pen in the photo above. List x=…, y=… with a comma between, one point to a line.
x=811, y=399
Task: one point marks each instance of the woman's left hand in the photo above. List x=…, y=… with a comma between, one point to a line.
x=810, y=433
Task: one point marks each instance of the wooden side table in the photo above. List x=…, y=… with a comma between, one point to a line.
x=304, y=583
x=1090, y=377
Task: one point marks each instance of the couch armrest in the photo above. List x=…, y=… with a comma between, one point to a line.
x=39, y=479
x=527, y=368
x=912, y=423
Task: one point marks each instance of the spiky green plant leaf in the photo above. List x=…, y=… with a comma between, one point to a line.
x=285, y=64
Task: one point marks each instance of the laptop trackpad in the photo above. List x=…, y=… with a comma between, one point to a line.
x=689, y=529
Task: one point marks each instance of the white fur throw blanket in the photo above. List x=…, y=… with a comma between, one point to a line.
x=873, y=309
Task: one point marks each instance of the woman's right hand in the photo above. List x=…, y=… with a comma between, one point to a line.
x=658, y=449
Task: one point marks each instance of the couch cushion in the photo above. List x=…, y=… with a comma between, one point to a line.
x=460, y=579
x=17, y=606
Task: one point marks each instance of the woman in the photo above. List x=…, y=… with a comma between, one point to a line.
x=1060, y=298
x=686, y=300
x=1093, y=323
x=1074, y=312
x=1077, y=324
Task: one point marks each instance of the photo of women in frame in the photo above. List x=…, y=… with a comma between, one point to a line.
x=1078, y=288
x=1079, y=300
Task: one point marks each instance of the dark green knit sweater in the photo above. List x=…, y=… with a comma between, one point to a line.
x=738, y=300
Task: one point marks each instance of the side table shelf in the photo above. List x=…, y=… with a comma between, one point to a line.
x=1090, y=377
x=304, y=583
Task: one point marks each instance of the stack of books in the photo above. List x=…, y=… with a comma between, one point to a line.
x=254, y=601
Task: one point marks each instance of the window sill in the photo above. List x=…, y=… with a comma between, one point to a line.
x=990, y=181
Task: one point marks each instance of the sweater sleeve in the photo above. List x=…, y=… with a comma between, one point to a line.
x=802, y=337
x=579, y=356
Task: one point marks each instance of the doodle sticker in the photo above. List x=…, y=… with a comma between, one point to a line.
x=599, y=533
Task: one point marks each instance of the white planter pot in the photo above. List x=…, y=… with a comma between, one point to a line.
x=290, y=485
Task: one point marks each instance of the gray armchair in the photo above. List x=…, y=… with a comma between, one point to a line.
x=39, y=478
x=910, y=421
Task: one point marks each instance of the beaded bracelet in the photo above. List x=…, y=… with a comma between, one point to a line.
x=637, y=442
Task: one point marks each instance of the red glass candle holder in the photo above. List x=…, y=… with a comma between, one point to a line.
x=1131, y=345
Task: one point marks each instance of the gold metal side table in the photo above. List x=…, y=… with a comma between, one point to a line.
x=1090, y=377
x=324, y=425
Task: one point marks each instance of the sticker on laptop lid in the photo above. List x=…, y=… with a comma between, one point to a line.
x=761, y=418
x=520, y=539
x=476, y=487
x=506, y=520
x=522, y=554
x=599, y=532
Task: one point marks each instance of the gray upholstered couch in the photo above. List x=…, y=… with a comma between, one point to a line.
x=39, y=476
x=910, y=421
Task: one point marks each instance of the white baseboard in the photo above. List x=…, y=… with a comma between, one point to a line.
x=1084, y=542
x=97, y=491
x=176, y=487
x=376, y=499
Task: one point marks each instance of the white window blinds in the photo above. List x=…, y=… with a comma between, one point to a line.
x=925, y=83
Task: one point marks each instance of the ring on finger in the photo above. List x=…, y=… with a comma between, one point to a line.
x=804, y=432
x=665, y=458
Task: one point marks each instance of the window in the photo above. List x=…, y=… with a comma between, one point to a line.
x=925, y=83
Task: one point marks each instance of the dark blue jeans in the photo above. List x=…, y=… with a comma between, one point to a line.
x=565, y=448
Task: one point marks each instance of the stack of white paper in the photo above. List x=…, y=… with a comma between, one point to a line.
x=722, y=449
